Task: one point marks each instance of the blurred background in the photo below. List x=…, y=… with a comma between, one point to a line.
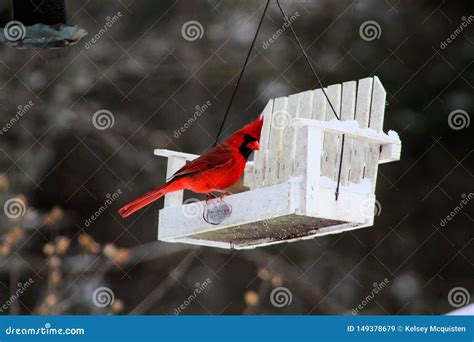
x=64, y=173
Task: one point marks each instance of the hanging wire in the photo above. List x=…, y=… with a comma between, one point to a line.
x=241, y=74
x=312, y=70
x=285, y=17
x=306, y=58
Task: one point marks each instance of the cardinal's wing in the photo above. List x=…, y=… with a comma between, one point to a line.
x=217, y=157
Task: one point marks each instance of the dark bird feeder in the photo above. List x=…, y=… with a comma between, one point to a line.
x=40, y=24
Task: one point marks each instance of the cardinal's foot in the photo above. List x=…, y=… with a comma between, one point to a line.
x=210, y=196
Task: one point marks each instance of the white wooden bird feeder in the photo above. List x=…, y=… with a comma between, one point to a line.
x=293, y=176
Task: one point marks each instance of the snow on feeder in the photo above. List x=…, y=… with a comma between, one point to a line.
x=294, y=176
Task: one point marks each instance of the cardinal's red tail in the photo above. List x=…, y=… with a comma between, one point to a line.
x=146, y=199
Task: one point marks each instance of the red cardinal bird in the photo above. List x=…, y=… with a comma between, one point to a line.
x=215, y=170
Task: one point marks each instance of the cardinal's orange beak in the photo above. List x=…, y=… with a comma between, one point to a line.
x=253, y=145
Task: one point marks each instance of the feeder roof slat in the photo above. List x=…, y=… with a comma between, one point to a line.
x=350, y=128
